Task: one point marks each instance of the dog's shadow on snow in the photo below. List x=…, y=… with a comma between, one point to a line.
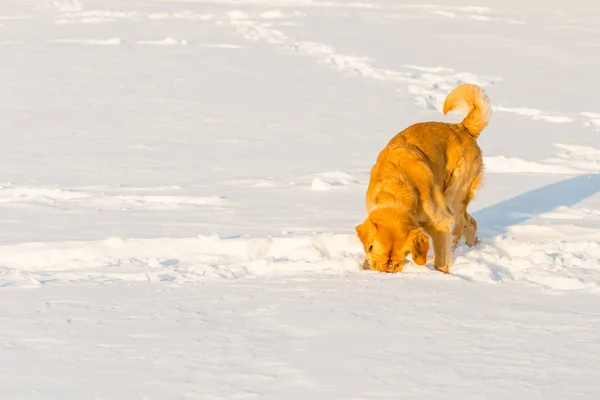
x=495, y=219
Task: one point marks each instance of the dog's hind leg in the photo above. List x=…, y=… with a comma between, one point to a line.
x=470, y=233
x=470, y=228
x=464, y=226
x=460, y=220
x=455, y=194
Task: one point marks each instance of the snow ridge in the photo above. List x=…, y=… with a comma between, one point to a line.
x=552, y=262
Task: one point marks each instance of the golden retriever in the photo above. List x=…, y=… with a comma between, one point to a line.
x=421, y=185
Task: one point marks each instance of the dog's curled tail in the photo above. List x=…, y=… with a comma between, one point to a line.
x=475, y=101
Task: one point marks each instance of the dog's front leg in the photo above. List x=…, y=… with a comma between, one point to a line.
x=442, y=249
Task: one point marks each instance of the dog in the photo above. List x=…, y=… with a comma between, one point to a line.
x=420, y=187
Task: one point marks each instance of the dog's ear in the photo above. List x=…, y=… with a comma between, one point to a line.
x=366, y=233
x=419, y=245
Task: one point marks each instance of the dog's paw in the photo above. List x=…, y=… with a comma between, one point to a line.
x=472, y=241
x=444, y=268
x=396, y=268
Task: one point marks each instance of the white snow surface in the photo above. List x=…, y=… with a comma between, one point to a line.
x=180, y=181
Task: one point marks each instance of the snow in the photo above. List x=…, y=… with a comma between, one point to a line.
x=180, y=182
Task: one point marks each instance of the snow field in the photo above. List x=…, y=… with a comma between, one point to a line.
x=180, y=182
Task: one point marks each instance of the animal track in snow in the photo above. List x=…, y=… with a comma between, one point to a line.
x=571, y=160
x=328, y=180
x=76, y=15
x=100, y=199
x=320, y=182
x=221, y=46
x=589, y=119
x=536, y=114
x=283, y=3
x=254, y=183
x=572, y=213
x=102, y=42
x=460, y=13
x=593, y=121
x=14, y=17
x=73, y=13
x=428, y=86
x=164, y=42
x=119, y=41
x=184, y=15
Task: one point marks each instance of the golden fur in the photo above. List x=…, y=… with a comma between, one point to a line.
x=421, y=183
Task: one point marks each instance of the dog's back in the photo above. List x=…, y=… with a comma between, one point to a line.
x=448, y=148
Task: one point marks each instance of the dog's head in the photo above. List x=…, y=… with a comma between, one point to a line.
x=388, y=238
